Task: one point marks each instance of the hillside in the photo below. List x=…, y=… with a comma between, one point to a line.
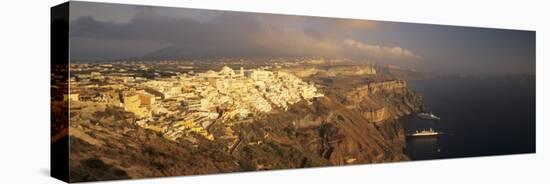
x=354, y=123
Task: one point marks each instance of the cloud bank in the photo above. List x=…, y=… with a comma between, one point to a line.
x=382, y=51
x=158, y=33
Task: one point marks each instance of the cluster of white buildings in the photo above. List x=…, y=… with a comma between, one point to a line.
x=191, y=103
x=186, y=104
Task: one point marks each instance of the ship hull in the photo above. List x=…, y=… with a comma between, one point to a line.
x=428, y=117
x=421, y=136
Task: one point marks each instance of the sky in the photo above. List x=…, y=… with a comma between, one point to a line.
x=101, y=31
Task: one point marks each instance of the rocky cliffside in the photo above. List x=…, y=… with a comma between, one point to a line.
x=377, y=115
x=383, y=100
x=353, y=127
x=354, y=123
x=107, y=145
x=324, y=133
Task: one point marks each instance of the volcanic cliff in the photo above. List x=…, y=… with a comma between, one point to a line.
x=354, y=123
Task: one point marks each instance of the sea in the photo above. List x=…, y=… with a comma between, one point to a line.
x=480, y=116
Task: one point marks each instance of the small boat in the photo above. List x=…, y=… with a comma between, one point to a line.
x=424, y=133
x=428, y=115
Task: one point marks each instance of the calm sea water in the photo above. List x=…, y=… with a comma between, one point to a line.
x=479, y=116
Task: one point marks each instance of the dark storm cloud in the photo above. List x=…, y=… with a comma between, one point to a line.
x=112, y=31
x=216, y=33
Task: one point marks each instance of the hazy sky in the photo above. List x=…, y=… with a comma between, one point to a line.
x=111, y=31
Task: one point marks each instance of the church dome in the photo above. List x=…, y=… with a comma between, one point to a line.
x=226, y=71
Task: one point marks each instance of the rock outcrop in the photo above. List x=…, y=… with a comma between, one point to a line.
x=377, y=115
x=379, y=101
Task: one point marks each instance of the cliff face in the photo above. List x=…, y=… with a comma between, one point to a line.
x=324, y=133
x=379, y=101
x=382, y=103
x=377, y=115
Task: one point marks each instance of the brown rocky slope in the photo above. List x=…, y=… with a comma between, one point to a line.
x=354, y=123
